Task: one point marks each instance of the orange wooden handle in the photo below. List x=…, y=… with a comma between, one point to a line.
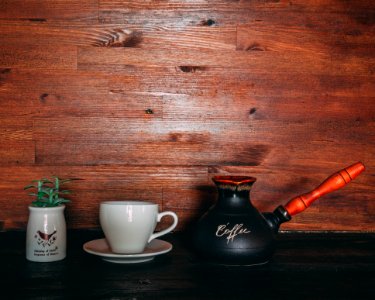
x=332, y=183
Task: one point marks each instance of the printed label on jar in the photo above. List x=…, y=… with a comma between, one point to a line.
x=45, y=239
x=46, y=252
x=224, y=230
x=46, y=242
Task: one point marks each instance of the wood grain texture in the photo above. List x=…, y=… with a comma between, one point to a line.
x=176, y=84
x=43, y=10
x=37, y=57
x=59, y=32
x=98, y=183
x=150, y=99
x=319, y=63
x=14, y=152
x=179, y=14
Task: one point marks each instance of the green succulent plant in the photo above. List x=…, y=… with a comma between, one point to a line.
x=48, y=193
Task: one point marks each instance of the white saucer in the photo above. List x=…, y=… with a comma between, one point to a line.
x=101, y=248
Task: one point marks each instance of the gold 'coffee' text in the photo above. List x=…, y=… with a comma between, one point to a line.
x=231, y=233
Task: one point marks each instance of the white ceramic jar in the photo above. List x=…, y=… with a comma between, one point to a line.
x=46, y=234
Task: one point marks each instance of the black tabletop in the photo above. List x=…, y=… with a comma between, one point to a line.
x=304, y=266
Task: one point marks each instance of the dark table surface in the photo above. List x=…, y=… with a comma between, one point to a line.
x=305, y=266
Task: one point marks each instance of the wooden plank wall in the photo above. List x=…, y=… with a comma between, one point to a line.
x=149, y=99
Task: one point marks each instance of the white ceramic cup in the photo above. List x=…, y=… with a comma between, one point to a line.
x=129, y=226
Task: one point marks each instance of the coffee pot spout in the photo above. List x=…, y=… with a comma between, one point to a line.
x=298, y=204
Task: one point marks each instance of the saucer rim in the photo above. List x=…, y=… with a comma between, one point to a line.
x=168, y=245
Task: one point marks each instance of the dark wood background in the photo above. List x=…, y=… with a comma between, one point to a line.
x=149, y=99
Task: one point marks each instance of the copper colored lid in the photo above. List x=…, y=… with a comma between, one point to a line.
x=233, y=180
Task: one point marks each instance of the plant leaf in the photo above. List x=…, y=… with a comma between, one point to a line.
x=39, y=203
x=29, y=186
x=46, y=180
x=65, y=192
x=48, y=191
x=68, y=180
x=64, y=201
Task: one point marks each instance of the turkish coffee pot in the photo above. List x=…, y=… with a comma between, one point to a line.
x=233, y=231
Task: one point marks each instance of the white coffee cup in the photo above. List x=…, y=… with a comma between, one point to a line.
x=129, y=226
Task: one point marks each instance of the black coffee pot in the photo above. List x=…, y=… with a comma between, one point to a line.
x=233, y=231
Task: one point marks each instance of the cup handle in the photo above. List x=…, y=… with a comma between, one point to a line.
x=169, y=229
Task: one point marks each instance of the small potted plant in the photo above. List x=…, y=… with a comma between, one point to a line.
x=46, y=227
